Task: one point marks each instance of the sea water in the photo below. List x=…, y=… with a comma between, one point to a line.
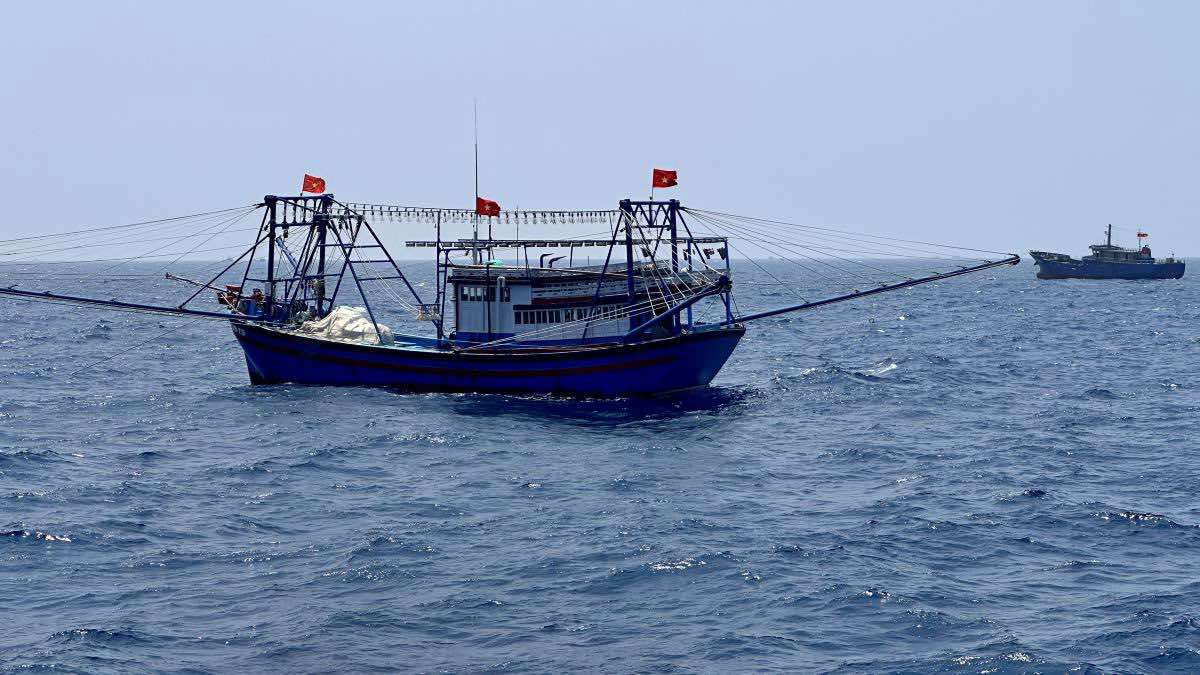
x=990, y=474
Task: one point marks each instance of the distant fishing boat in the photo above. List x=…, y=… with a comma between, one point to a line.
x=621, y=328
x=1108, y=262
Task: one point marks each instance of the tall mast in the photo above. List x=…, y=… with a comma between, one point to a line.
x=1109, y=233
x=475, y=246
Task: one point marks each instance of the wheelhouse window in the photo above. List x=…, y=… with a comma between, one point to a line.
x=479, y=293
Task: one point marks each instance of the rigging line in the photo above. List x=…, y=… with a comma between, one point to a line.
x=847, y=260
x=26, y=263
x=871, y=239
x=782, y=243
x=711, y=222
x=663, y=292
x=664, y=276
x=659, y=278
x=662, y=273
x=77, y=274
x=692, y=246
x=693, y=249
x=127, y=350
x=67, y=257
x=786, y=245
x=91, y=274
x=802, y=266
x=900, y=251
x=155, y=250
x=906, y=266
x=45, y=247
x=105, y=237
x=861, y=234
x=790, y=287
x=923, y=253
x=642, y=271
x=117, y=227
x=645, y=244
x=230, y=224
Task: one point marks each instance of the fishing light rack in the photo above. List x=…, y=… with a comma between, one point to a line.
x=303, y=284
x=649, y=225
x=657, y=230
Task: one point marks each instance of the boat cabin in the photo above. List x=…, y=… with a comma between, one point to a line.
x=1110, y=253
x=547, y=306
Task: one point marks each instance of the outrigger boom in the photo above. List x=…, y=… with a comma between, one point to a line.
x=625, y=327
x=1011, y=260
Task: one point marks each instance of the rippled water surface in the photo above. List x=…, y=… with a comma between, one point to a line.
x=995, y=474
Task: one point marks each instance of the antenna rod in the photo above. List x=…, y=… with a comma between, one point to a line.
x=475, y=247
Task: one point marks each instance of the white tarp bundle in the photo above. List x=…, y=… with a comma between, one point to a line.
x=348, y=324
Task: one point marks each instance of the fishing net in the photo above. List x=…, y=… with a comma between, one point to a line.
x=348, y=324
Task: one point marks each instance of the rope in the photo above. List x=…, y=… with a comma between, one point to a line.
x=859, y=234
x=155, y=250
x=773, y=240
x=118, y=227
x=216, y=234
x=47, y=247
x=100, y=260
x=788, y=248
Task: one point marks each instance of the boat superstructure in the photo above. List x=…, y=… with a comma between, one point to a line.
x=540, y=306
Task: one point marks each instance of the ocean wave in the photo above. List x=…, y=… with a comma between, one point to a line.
x=17, y=457
x=35, y=535
x=1141, y=519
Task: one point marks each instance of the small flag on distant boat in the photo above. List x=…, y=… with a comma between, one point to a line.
x=1142, y=235
x=313, y=184
x=486, y=207
x=664, y=178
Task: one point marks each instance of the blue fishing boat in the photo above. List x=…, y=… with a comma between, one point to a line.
x=301, y=311
x=1108, y=262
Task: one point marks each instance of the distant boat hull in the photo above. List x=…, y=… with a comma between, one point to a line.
x=645, y=368
x=1088, y=269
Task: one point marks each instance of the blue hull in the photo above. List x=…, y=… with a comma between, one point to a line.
x=1053, y=269
x=640, y=369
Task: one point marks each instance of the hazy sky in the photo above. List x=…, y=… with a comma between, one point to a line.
x=995, y=124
